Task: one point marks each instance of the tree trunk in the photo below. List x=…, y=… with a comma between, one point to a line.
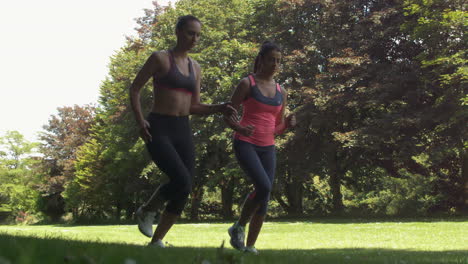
x=118, y=209
x=280, y=200
x=75, y=212
x=227, y=192
x=464, y=172
x=196, y=198
x=337, y=198
x=294, y=194
x=335, y=184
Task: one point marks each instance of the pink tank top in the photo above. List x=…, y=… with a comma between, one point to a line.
x=261, y=112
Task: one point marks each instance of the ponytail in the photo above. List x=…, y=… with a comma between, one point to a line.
x=256, y=63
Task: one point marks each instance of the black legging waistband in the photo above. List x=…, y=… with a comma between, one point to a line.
x=153, y=115
x=172, y=126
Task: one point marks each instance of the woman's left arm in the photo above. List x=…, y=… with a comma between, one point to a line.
x=197, y=108
x=283, y=123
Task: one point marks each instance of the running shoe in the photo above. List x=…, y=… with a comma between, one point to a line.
x=236, y=232
x=145, y=221
x=251, y=250
x=157, y=244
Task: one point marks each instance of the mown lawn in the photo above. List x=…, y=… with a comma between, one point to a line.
x=319, y=241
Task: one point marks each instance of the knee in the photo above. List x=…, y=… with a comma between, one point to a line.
x=263, y=191
x=184, y=189
x=180, y=197
x=262, y=210
x=176, y=206
x=265, y=188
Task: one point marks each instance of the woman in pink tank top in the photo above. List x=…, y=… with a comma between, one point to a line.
x=264, y=102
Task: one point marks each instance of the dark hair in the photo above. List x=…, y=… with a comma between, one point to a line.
x=267, y=46
x=183, y=20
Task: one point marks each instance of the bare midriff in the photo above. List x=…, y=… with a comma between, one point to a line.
x=171, y=102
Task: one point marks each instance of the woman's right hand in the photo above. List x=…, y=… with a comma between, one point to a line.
x=246, y=130
x=145, y=132
x=291, y=121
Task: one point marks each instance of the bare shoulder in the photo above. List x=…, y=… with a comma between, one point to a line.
x=196, y=65
x=160, y=56
x=244, y=85
x=244, y=82
x=160, y=60
x=283, y=90
x=196, y=68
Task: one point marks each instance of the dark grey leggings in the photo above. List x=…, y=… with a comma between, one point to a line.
x=173, y=152
x=259, y=164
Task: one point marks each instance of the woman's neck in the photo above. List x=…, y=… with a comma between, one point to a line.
x=179, y=51
x=264, y=76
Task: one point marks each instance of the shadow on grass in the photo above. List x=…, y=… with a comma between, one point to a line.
x=16, y=249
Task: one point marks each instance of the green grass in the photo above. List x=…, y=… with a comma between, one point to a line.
x=321, y=241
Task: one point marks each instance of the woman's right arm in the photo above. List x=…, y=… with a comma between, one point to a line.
x=240, y=93
x=150, y=67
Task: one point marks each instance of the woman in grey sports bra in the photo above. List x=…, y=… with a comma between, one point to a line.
x=167, y=132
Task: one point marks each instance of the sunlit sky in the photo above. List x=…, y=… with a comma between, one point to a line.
x=55, y=53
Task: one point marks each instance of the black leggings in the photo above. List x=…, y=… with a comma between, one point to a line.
x=259, y=164
x=172, y=150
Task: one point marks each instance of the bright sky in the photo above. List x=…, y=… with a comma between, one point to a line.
x=55, y=53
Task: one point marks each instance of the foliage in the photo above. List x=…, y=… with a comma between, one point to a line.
x=357, y=73
x=363, y=78
x=378, y=88
x=62, y=136
x=17, y=189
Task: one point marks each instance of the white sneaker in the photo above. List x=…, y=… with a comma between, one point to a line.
x=251, y=250
x=157, y=244
x=145, y=221
x=237, y=234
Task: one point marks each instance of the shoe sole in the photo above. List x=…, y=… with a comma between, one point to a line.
x=250, y=252
x=151, y=245
x=139, y=227
x=141, y=231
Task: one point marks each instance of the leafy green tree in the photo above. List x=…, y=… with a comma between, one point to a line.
x=120, y=159
x=17, y=176
x=109, y=165
x=440, y=28
x=363, y=100
x=62, y=136
x=378, y=96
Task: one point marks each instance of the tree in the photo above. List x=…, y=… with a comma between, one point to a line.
x=224, y=57
x=18, y=180
x=355, y=77
x=379, y=101
x=62, y=136
x=440, y=28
